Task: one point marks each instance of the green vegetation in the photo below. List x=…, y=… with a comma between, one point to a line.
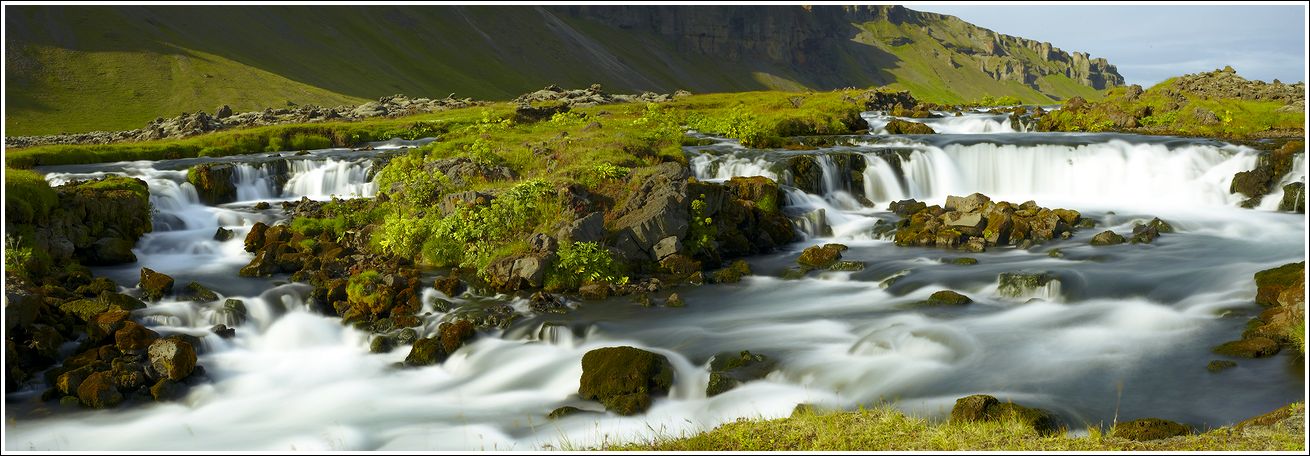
x=581, y=263
x=28, y=196
x=116, y=68
x=1168, y=109
x=886, y=429
x=989, y=101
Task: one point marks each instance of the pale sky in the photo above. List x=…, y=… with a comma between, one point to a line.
x=1149, y=44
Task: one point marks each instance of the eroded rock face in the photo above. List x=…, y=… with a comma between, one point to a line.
x=624, y=379
x=214, y=182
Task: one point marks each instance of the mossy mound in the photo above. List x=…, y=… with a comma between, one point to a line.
x=1148, y=429
x=821, y=257
x=624, y=379
x=982, y=407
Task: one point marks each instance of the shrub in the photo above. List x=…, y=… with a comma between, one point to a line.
x=581, y=263
x=304, y=141
x=701, y=234
x=407, y=178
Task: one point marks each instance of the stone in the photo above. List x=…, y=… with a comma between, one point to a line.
x=1107, y=237
x=624, y=379
x=1293, y=198
x=425, y=352
x=905, y=127
x=563, y=412
x=455, y=334
x=166, y=390
x=947, y=298
x=674, y=301
x=214, y=182
x=589, y=228
x=847, y=266
x=1148, y=429
x=729, y=370
x=223, y=331
x=971, y=203
x=667, y=247
x=224, y=234
x=981, y=407
x=733, y=273
x=1019, y=284
x=195, y=292
x=172, y=357
x=821, y=257
x=99, y=391
x=155, y=285
x=1255, y=347
x=132, y=336
x=1272, y=282
x=1219, y=365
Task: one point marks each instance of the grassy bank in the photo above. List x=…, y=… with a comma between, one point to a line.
x=885, y=429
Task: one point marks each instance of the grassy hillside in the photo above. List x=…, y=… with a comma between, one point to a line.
x=73, y=69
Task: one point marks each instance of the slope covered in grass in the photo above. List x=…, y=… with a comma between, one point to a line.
x=82, y=68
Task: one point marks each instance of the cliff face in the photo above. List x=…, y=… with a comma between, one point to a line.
x=809, y=35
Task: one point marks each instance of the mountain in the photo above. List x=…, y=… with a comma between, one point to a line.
x=80, y=68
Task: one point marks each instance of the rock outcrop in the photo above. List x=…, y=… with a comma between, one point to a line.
x=624, y=379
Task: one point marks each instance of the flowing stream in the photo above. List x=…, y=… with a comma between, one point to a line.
x=1125, y=333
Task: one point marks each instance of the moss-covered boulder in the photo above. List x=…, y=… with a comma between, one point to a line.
x=132, y=336
x=453, y=335
x=981, y=407
x=172, y=357
x=196, y=292
x=155, y=285
x=1254, y=347
x=1019, y=284
x=729, y=370
x=214, y=182
x=1108, y=237
x=1220, y=365
x=1148, y=429
x=760, y=191
x=905, y=127
x=425, y=352
x=1271, y=282
x=624, y=379
x=674, y=301
x=1293, y=198
x=733, y=273
x=821, y=257
x=947, y=298
x=99, y=391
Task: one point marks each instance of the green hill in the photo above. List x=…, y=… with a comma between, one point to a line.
x=82, y=68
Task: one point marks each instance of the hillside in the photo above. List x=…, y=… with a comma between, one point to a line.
x=73, y=69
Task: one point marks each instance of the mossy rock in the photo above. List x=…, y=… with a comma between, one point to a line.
x=821, y=257
x=99, y=391
x=733, y=273
x=674, y=301
x=847, y=266
x=905, y=127
x=624, y=379
x=453, y=335
x=1145, y=429
x=1108, y=237
x=1220, y=365
x=199, y=293
x=213, y=182
x=564, y=411
x=134, y=337
x=947, y=298
x=425, y=352
x=982, y=407
x=155, y=285
x=1293, y=198
x=1255, y=347
x=1270, y=283
x=963, y=261
x=172, y=357
x=729, y=370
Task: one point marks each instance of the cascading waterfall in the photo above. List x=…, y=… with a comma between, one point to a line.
x=968, y=123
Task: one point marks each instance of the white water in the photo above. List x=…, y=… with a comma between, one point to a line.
x=965, y=124
x=1125, y=334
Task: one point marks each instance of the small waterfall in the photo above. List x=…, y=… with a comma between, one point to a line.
x=253, y=183
x=331, y=177
x=970, y=123
x=882, y=182
x=723, y=167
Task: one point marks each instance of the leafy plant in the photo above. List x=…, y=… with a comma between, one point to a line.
x=702, y=232
x=580, y=263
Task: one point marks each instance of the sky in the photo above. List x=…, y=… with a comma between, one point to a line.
x=1149, y=44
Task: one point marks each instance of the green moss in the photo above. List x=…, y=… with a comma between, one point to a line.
x=28, y=197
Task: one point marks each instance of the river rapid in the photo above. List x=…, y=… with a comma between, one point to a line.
x=1124, y=333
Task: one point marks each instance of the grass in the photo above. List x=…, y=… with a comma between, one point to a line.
x=886, y=429
x=28, y=197
x=83, y=68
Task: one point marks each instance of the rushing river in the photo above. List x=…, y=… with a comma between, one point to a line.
x=1125, y=333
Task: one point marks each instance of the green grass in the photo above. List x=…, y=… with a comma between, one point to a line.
x=885, y=429
x=28, y=197
x=82, y=68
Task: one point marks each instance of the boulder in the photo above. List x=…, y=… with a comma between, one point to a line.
x=166, y=390
x=821, y=257
x=1253, y=184
x=1220, y=365
x=214, y=182
x=1254, y=347
x=729, y=370
x=1108, y=237
x=451, y=285
x=1148, y=429
x=905, y=127
x=733, y=273
x=196, y=292
x=906, y=208
x=971, y=203
x=255, y=238
x=99, y=391
x=1019, y=284
x=674, y=301
x=624, y=379
x=132, y=336
x=155, y=285
x=947, y=298
x=1293, y=198
x=668, y=246
x=1272, y=282
x=981, y=407
x=657, y=209
x=453, y=335
x=172, y=357
x=425, y=352
x=589, y=228
x=223, y=234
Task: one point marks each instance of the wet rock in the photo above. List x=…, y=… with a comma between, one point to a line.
x=1148, y=429
x=905, y=127
x=155, y=285
x=425, y=352
x=172, y=357
x=255, y=238
x=981, y=407
x=594, y=291
x=455, y=334
x=224, y=234
x=971, y=203
x=906, y=208
x=1219, y=365
x=1253, y=184
x=820, y=257
x=223, y=331
x=196, y=292
x=947, y=298
x=847, y=266
x=1272, y=282
x=1019, y=284
x=262, y=205
x=104, y=325
x=68, y=382
x=214, y=182
x=99, y=391
x=729, y=370
x=451, y=285
x=1108, y=237
x=624, y=379
x=1293, y=198
x=964, y=261
x=166, y=390
x=733, y=273
x=1146, y=233
x=1255, y=347
x=674, y=301
x=134, y=337
x=564, y=411
x=233, y=313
